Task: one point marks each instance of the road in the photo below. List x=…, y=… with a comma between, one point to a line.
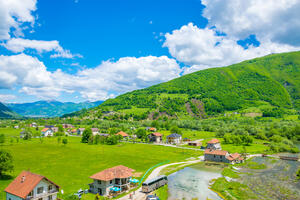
x=139, y=195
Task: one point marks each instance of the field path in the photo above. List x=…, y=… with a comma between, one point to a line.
x=139, y=195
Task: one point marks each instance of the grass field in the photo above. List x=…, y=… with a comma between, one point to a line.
x=70, y=166
x=10, y=131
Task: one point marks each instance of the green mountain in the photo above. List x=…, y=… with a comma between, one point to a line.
x=5, y=112
x=257, y=85
x=49, y=108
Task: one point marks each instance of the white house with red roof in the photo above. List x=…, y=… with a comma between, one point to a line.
x=214, y=144
x=47, y=132
x=30, y=186
x=155, y=137
x=118, y=176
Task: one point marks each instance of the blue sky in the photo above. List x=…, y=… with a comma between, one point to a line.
x=78, y=50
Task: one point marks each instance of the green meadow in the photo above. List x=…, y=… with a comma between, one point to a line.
x=71, y=165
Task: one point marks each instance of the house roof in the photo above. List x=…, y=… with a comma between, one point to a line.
x=25, y=183
x=122, y=134
x=81, y=129
x=213, y=141
x=45, y=129
x=112, y=173
x=216, y=152
x=157, y=134
x=175, y=135
x=94, y=129
x=74, y=130
x=152, y=129
x=234, y=156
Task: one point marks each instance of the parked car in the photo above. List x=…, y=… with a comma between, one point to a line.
x=152, y=197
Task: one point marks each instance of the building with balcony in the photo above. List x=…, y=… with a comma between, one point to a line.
x=115, y=177
x=30, y=186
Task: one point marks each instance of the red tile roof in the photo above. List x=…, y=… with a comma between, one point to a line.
x=112, y=173
x=45, y=129
x=213, y=141
x=122, y=134
x=22, y=188
x=216, y=152
x=152, y=129
x=157, y=134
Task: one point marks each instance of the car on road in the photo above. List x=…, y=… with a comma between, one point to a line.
x=152, y=197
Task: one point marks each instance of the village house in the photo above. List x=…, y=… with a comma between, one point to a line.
x=155, y=137
x=30, y=186
x=95, y=131
x=22, y=134
x=186, y=139
x=174, y=138
x=54, y=129
x=74, y=131
x=33, y=124
x=80, y=131
x=194, y=143
x=222, y=156
x=123, y=134
x=118, y=176
x=47, y=132
x=214, y=144
x=65, y=126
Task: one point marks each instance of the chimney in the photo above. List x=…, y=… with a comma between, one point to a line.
x=22, y=179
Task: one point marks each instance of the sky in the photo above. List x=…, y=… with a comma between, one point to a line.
x=89, y=50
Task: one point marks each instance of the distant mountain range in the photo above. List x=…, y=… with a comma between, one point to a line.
x=5, y=112
x=49, y=108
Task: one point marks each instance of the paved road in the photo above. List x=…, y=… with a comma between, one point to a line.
x=139, y=195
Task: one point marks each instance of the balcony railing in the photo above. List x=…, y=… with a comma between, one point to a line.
x=47, y=193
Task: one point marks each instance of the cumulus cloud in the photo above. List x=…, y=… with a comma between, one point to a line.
x=13, y=13
x=17, y=45
x=203, y=48
x=99, y=83
x=7, y=97
x=274, y=20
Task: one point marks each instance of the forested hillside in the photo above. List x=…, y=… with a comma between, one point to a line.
x=269, y=85
x=5, y=112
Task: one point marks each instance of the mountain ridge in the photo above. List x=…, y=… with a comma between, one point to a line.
x=49, y=108
x=266, y=82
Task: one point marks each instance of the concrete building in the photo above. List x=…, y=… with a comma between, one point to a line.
x=30, y=186
x=174, y=138
x=103, y=181
x=214, y=144
x=155, y=137
x=222, y=156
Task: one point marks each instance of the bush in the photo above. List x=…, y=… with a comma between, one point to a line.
x=87, y=133
x=65, y=141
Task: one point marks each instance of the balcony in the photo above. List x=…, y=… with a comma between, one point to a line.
x=44, y=194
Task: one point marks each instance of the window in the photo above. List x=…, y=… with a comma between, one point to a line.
x=49, y=188
x=30, y=194
x=40, y=190
x=110, y=182
x=40, y=198
x=50, y=197
x=99, y=182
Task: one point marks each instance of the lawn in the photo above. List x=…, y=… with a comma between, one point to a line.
x=10, y=131
x=70, y=166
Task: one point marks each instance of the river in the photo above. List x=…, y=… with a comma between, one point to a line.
x=193, y=183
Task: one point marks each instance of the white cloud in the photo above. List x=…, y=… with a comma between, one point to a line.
x=99, y=83
x=273, y=20
x=203, y=48
x=6, y=97
x=13, y=13
x=18, y=45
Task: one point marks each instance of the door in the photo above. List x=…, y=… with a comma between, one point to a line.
x=100, y=191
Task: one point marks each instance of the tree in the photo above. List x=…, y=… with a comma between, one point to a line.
x=87, y=133
x=175, y=129
x=27, y=135
x=58, y=140
x=65, y=141
x=6, y=162
x=141, y=133
x=60, y=128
